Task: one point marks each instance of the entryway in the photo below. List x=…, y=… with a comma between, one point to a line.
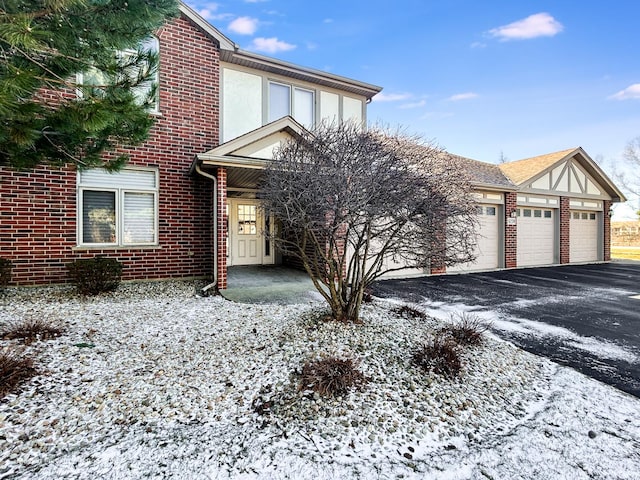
x=248, y=244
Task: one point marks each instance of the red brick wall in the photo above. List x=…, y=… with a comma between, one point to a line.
x=510, y=231
x=38, y=208
x=222, y=228
x=606, y=231
x=565, y=230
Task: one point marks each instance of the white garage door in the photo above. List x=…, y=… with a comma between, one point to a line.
x=583, y=237
x=536, y=237
x=488, y=246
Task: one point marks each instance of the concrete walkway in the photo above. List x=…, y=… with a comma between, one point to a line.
x=269, y=284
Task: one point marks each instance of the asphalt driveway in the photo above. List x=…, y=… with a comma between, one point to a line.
x=584, y=316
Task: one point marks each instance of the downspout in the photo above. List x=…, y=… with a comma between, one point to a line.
x=215, y=229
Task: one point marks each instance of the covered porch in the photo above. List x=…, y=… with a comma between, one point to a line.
x=240, y=244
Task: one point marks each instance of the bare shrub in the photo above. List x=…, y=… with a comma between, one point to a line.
x=440, y=355
x=14, y=370
x=30, y=331
x=331, y=376
x=468, y=330
x=409, y=312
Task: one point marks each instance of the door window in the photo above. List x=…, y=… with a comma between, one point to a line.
x=247, y=220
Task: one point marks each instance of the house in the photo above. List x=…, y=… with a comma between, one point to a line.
x=186, y=207
x=625, y=233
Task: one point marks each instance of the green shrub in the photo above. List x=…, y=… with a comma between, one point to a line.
x=331, y=376
x=5, y=272
x=95, y=275
x=29, y=331
x=14, y=370
x=440, y=355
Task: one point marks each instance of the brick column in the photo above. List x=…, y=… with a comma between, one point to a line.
x=565, y=230
x=510, y=231
x=221, y=228
x=606, y=231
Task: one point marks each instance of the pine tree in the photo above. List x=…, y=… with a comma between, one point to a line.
x=68, y=94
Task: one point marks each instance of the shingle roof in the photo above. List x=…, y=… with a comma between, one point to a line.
x=522, y=170
x=482, y=173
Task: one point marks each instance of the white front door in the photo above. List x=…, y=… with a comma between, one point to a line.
x=247, y=242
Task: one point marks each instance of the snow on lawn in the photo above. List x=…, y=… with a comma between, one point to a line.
x=154, y=382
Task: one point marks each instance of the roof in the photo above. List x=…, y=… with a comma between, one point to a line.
x=522, y=170
x=484, y=174
x=230, y=52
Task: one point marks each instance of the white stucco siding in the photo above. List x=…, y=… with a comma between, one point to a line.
x=352, y=109
x=241, y=103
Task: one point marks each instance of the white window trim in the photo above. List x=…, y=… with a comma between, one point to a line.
x=292, y=101
x=119, y=202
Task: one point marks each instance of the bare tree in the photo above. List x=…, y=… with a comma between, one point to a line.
x=355, y=204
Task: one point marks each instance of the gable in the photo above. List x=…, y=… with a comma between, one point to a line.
x=263, y=148
x=567, y=177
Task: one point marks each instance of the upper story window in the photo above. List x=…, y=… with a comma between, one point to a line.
x=145, y=93
x=118, y=209
x=289, y=100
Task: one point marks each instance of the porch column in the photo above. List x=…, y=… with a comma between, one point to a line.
x=510, y=230
x=221, y=228
x=565, y=230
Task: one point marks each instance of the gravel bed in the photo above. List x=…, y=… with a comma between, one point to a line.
x=154, y=380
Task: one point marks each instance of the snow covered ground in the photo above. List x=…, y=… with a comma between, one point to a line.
x=155, y=382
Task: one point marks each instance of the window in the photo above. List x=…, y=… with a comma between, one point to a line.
x=287, y=100
x=537, y=213
x=547, y=214
x=526, y=212
x=117, y=209
x=247, y=217
x=592, y=216
x=96, y=78
x=491, y=211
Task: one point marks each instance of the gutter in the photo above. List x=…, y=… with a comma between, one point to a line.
x=214, y=284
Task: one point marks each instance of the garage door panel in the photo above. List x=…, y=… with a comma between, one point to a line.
x=488, y=242
x=583, y=237
x=536, y=237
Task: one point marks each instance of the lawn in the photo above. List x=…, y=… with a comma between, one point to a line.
x=153, y=381
x=625, y=253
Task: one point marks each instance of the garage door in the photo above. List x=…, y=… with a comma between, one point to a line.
x=583, y=237
x=488, y=242
x=536, y=237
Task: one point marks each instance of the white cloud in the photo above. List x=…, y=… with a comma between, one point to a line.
x=391, y=97
x=270, y=45
x=478, y=45
x=208, y=12
x=244, y=26
x=418, y=104
x=462, y=96
x=538, y=25
x=328, y=20
x=632, y=92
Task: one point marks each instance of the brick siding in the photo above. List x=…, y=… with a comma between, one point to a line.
x=38, y=208
x=606, y=231
x=510, y=231
x=565, y=230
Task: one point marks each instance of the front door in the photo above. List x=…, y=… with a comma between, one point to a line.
x=247, y=242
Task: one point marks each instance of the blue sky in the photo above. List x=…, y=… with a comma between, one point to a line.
x=483, y=79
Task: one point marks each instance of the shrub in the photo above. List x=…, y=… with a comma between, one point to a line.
x=331, y=376
x=29, y=331
x=409, y=312
x=14, y=370
x=5, y=272
x=95, y=275
x=468, y=330
x=440, y=355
